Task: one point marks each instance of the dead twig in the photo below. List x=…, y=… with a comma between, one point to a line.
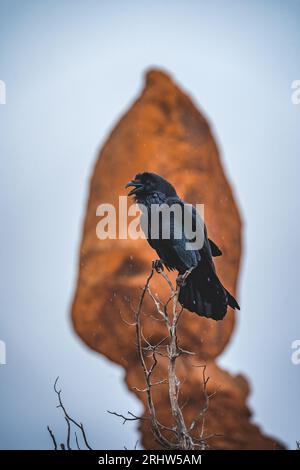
x=183, y=434
x=69, y=421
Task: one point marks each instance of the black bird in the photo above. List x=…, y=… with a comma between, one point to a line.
x=202, y=291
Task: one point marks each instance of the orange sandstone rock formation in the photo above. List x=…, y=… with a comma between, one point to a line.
x=165, y=133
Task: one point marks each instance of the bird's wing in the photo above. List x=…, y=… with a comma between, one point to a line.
x=185, y=230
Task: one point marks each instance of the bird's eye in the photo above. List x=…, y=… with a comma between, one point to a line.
x=149, y=184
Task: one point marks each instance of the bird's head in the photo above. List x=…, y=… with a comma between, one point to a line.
x=147, y=183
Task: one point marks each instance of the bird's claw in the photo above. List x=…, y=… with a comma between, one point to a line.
x=158, y=265
x=180, y=280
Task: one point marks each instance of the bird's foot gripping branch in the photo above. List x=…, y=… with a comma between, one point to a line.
x=181, y=278
x=181, y=434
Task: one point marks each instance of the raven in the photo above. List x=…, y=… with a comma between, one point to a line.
x=201, y=292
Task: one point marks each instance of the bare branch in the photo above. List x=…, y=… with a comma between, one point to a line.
x=69, y=434
x=183, y=438
x=201, y=415
x=130, y=417
x=53, y=438
x=126, y=321
x=69, y=421
x=76, y=439
x=159, y=307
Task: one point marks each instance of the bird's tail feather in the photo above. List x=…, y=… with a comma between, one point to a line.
x=232, y=301
x=205, y=295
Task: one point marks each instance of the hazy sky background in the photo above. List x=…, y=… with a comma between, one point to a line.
x=71, y=68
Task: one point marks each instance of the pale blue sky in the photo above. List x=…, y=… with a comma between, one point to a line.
x=71, y=68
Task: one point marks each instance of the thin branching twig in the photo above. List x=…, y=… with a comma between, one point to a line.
x=69, y=421
x=183, y=433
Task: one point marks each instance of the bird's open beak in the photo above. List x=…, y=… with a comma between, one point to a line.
x=137, y=187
